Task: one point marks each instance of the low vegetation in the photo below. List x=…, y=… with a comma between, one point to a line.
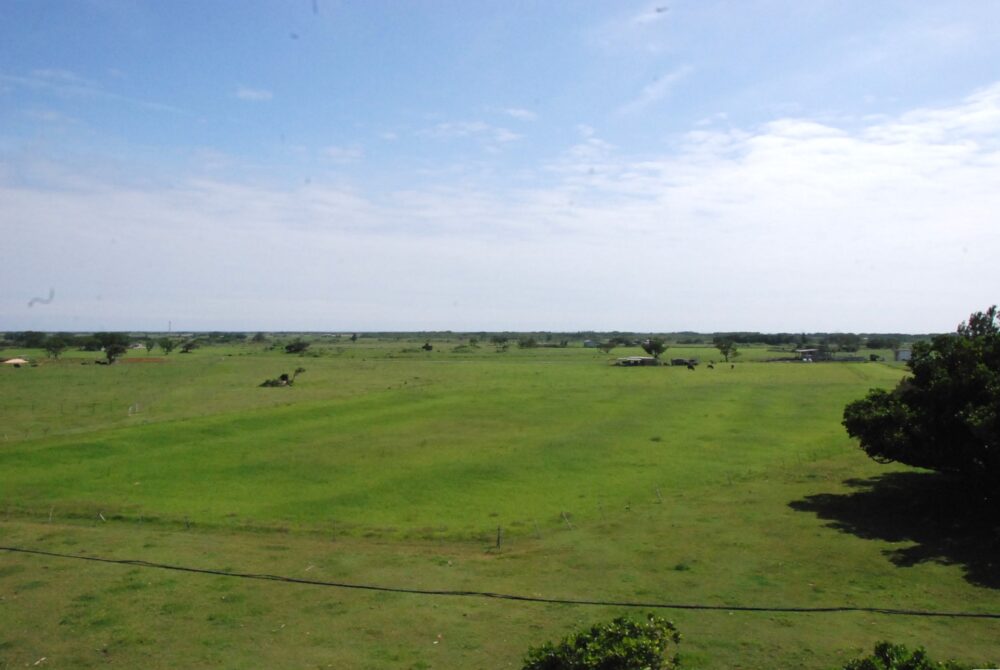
x=540, y=471
x=622, y=644
x=888, y=656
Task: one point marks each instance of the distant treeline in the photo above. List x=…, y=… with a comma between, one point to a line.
x=34, y=339
x=838, y=341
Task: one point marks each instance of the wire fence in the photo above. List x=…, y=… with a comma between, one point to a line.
x=508, y=596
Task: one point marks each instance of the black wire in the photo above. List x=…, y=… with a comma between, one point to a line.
x=507, y=596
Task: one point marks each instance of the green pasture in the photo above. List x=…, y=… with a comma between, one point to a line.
x=387, y=464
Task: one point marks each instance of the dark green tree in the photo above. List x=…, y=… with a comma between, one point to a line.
x=298, y=346
x=622, y=644
x=882, y=343
x=32, y=339
x=654, y=346
x=726, y=347
x=888, y=656
x=114, y=345
x=54, y=346
x=189, y=346
x=168, y=344
x=944, y=416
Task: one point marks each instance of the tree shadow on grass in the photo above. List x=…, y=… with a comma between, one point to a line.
x=946, y=522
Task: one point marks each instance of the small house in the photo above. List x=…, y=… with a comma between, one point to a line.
x=903, y=354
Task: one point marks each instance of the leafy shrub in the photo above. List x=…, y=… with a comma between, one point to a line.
x=890, y=656
x=622, y=644
x=946, y=415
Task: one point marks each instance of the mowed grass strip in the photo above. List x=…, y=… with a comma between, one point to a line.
x=656, y=484
x=481, y=442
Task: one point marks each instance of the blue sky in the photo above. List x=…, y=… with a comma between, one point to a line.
x=321, y=165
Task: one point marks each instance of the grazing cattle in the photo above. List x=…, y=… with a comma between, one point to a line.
x=732, y=367
x=711, y=367
x=690, y=367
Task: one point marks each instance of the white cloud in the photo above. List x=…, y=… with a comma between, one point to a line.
x=344, y=154
x=521, y=114
x=655, y=91
x=793, y=225
x=253, y=94
x=479, y=130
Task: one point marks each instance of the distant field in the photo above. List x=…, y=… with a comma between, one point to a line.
x=391, y=465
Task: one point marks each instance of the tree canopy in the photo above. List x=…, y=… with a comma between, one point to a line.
x=115, y=345
x=946, y=415
x=654, y=346
x=55, y=345
x=621, y=644
x=726, y=347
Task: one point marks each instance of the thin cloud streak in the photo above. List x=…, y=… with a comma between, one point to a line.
x=253, y=94
x=64, y=83
x=656, y=91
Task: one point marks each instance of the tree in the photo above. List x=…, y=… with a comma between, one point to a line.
x=882, y=343
x=606, y=347
x=299, y=346
x=114, y=345
x=168, y=345
x=259, y=338
x=844, y=341
x=54, y=346
x=622, y=644
x=500, y=342
x=150, y=344
x=888, y=656
x=189, y=346
x=726, y=347
x=654, y=346
x=427, y=346
x=944, y=416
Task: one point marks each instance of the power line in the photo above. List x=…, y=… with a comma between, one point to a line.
x=507, y=596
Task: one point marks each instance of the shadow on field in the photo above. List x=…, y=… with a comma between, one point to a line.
x=947, y=523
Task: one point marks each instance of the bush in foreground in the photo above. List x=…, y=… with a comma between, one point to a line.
x=890, y=656
x=622, y=644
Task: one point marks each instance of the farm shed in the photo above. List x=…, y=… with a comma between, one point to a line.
x=633, y=361
x=903, y=354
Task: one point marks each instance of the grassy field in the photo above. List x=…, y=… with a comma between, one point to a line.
x=389, y=465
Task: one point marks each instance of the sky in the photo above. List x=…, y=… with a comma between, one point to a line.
x=323, y=165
